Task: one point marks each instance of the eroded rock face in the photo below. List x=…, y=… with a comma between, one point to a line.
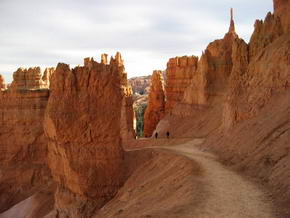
x=281, y=10
x=179, y=73
x=23, y=145
x=83, y=123
x=31, y=78
x=47, y=77
x=127, y=114
x=264, y=34
x=155, y=110
x=262, y=75
x=213, y=71
x=2, y=83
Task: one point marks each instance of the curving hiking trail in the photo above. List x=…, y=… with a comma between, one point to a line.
x=227, y=193
x=180, y=180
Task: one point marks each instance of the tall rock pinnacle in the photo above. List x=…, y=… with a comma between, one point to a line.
x=232, y=25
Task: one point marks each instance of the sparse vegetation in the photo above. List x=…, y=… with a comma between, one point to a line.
x=139, y=111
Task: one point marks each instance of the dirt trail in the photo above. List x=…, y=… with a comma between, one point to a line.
x=227, y=193
x=183, y=181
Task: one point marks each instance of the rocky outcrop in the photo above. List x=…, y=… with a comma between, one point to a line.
x=281, y=10
x=271, y=28
x=47, y=77
x=140, y=84
x=179, y=73
x=23, y=145
x=24, y=79
x=83, y=123
x=2, y=83
x=265, y=33
x=155, y=110
x=214, y=68
x=261, y=70
x=127, y=114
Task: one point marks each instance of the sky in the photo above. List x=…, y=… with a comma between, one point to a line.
x=146, y=32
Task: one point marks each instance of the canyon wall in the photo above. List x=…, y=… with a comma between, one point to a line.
x=23, y=145
x=261, y=69
x=155, y=110
x=179, y=73
x=84, y=125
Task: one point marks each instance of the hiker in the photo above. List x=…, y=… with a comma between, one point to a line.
x=156, y=135
x=167, y=134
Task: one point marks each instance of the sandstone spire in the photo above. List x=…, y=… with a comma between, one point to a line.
x=156, y=106
x=232, y=24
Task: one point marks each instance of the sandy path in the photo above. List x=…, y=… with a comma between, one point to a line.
x=182, y=181
x=227, y=193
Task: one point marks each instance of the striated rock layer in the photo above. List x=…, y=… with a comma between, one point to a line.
x=156, y=104
x=179, y=73
x=83, y=123
x=23, y=145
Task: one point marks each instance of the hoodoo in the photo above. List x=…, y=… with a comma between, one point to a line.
x=179, y=73
x=155, y=110
x=210, y=81
x=83, y=122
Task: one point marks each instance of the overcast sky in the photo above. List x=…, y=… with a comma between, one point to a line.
x=146, y=32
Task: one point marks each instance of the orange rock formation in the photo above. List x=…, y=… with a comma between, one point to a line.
x=2, y=83
x=156, y=104
x=31, y=78
x=83, y=122
x=22, y=142
x=261, y=69
x=213, y=70
x=179, y=73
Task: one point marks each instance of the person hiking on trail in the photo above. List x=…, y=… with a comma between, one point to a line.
x=156, y=135
x=167, y=134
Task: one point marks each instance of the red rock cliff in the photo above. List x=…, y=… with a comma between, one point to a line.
x=213, y=71
x=261, y=69
x=281, y=10
x=23, y=145
x=155, y=110
x=179, y=73
x=83, y=123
